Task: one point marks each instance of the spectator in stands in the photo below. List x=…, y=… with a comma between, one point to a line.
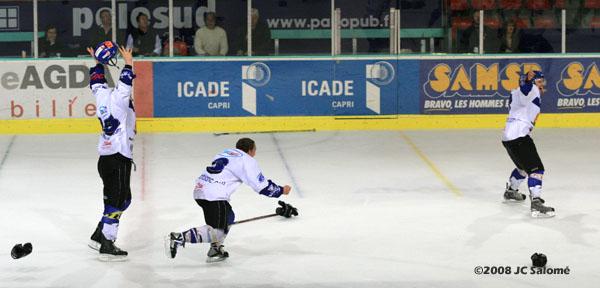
x=211, y=40
x=144, y=41
x=509, y=38
x=50, y=46
x=262, y=44
x=470, y=38
x=104, y=32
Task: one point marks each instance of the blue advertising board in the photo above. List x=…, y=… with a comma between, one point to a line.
x=483, y=86
x=283, y=88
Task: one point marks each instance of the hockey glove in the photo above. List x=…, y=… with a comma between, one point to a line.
x=286, y=210
x=21, y=250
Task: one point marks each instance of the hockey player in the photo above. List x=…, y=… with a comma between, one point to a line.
x=524, y=109
x=117, y=119
x=213, y=190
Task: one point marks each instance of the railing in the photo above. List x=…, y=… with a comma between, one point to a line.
x=297, y=27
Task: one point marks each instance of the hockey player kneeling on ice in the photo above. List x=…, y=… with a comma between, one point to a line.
x=525, y=105
x=213, y=190
x=117, y=117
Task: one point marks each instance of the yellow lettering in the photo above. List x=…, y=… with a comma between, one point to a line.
x=593, y=79
x=461, y=80
x=487, y=79
x=574, y=76
x=512, y=77
x=441, y=81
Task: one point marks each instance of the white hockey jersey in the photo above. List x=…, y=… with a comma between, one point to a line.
x=114, y=109
x=229, y=169
x=524, y=109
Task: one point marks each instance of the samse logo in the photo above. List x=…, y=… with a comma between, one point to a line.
x=576, y=79
x=478, y=80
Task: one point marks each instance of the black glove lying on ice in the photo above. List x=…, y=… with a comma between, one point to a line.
x=286, y=210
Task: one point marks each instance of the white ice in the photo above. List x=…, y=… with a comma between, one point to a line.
x=373, y=213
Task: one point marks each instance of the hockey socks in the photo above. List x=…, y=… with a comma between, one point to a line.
x=204, y=234
x=516, y=178
x=535, y=183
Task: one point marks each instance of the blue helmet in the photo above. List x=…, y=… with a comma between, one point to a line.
x=538, y=75
x=106, y=53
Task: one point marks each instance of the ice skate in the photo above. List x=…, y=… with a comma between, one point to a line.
x=173, y=241
x=511, y=195
x=95, y=238
x=110, y=252
x=539, y=210
x=216, y=253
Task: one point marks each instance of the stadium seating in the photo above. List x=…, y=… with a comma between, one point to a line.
x=492, y=22
x=483, y=4
x=461, y=23
x=510, y=4
x=459, y=5
x=595, y=23
x=592, y=4
x=538, y=4
x=560, y=4
x=544, y=21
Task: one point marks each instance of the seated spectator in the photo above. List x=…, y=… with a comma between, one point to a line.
x=211, y=40
x=469, y=39
x=143, y=41
x=262, y=44
x=50, y=46
x=104, y=32
x=509, y=38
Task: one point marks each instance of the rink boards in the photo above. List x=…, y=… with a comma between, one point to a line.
x=243, y=94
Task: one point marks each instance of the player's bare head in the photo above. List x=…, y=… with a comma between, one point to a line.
x=247, y=145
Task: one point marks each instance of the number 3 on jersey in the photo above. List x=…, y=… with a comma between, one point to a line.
x=217, y=166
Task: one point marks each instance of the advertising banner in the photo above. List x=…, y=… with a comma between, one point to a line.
x=47, y=89
x=275, y=88
x=483, y=86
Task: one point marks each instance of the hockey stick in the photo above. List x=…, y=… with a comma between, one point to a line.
x=254, y=219
x=265, y=132
x=293, y=212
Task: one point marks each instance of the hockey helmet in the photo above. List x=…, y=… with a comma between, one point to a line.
x=538, y=75
x=106, y=53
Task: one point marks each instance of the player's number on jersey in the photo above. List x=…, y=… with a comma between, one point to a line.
x=109, y=125
x=217, y=166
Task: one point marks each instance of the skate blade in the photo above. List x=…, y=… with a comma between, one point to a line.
x=538, y=214
x=215, y=259
x=94, y=245
x=168, y=246
x=513, y=201
x=112, y=258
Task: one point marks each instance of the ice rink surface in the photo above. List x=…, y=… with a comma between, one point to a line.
x=377, y=209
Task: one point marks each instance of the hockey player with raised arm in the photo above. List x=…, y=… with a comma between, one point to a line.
x=114, y=109
x=213, y=190
x=525, y=106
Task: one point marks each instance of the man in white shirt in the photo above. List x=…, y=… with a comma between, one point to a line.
x=211, y=40
x=525, y=106
x=115, y=146
x=213, y=190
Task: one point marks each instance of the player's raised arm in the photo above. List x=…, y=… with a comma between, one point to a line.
x=526, y=85
x=127, y=55
x=90, y=51
x=96, y=72
x=127, y=75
